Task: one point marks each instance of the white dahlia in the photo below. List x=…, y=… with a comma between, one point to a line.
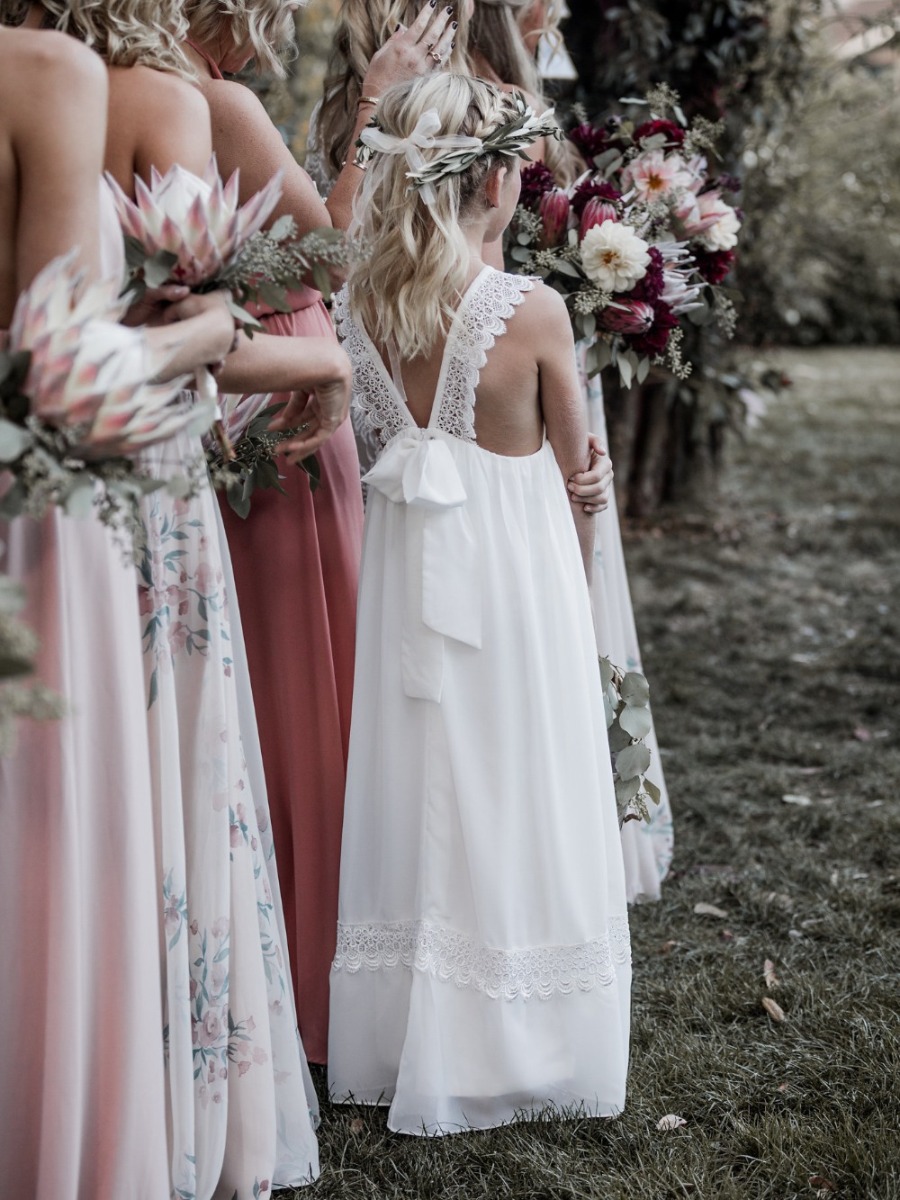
x=614, y=257
x=724, y=234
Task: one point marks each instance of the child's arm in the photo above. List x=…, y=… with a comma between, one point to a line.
x=562, y=405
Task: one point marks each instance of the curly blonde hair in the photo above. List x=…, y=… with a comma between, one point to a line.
x=126, y=33
x=407, y=288
x=267, y=25
x=363, y=28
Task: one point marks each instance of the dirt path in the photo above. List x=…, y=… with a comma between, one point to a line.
x=771, y=635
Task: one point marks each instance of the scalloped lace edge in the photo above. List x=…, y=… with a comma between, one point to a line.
x=453, y=957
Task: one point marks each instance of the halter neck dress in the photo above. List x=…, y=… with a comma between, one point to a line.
x=483, y=965
x=296, y=566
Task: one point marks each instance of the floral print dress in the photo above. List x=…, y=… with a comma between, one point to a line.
x=239, y=1093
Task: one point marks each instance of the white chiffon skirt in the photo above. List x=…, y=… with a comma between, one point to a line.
x=483, y=970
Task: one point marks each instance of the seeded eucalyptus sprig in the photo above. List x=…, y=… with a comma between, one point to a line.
x=626, y=699
x=253, y=466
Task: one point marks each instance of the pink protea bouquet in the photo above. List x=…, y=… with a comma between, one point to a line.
x=75, y=401
x=639, y=243
x=192, y=230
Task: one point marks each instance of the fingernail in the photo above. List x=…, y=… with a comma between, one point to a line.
x=455, y=25
x=449, y=8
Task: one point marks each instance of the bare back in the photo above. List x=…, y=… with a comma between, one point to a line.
x=53, y=96
x=156, y=119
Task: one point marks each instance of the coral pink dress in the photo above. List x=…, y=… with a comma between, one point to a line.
x=296, y=565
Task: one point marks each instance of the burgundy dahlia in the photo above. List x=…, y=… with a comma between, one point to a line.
x=537, y=179
x=674, y=133
x=590, y=189
x=650, y=288
x=714, y=265
x=590, y=140
x=655, y=340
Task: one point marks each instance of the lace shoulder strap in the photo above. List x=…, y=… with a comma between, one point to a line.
x=480, y=321
x=376, y=412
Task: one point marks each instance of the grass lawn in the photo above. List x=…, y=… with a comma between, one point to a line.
x=770, y=623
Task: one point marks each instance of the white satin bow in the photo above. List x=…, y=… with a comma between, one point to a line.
x=423, y=137
x=443, y=565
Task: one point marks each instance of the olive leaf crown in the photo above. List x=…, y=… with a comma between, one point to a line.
x=458, y=152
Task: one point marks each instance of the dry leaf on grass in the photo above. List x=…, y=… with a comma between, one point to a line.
x=670, y=1121
x=772, y=980
x=823, y=1185
x=709, y=910
x=775, y=1011
x=357, y=1125
x=862, y=734
x=668, y=947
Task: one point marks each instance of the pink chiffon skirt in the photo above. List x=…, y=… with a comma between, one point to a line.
x=296, y=565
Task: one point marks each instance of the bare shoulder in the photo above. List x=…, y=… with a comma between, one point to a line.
x=234, y=100
x=544, y=312
x=160, y=95
x=55, y=59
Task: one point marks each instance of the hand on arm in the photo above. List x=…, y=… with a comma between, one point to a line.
x=316, y=369
x=196, y=332
x=591, y=488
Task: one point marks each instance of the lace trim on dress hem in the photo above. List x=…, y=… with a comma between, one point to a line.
x=453, y=957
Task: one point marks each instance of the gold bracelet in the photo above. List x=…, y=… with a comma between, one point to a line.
x=373, y=100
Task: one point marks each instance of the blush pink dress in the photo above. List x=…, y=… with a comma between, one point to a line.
x=81, y=1057
x=296, y=565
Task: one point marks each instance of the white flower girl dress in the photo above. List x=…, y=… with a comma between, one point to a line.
x=483, y=967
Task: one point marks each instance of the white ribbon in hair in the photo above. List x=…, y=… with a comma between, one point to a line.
x=423, y=137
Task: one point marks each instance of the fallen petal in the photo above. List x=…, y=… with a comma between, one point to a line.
x=670, y=1121
x=793, y=798
x=775, y=1011
x=769, y=975
x=709, y=910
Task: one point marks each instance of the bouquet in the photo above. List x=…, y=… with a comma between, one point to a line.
x=189, y=230
x=75, y=402
x=247, y=422
x=639, y=243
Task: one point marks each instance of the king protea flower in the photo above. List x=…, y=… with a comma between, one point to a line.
x=628, y=316
x=596, y=211
x=198, y=220
x=554, y=212
x=88, y=372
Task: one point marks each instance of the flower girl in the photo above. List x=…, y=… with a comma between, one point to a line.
x=482, y=968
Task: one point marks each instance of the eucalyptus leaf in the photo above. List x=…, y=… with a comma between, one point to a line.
x=636, y=722
x=313, y=469
x=643, y=369
x=14, y=441
x=652, y=791
x=519, y=254
x=566, y=268
x=626, y=371
x=607, y=670
x=632, y=761
x=12, y=503
x=635, y=689
x=239, y=502
x=618, y=737
x=284, y=227
x=80, y=498
x=627, y=789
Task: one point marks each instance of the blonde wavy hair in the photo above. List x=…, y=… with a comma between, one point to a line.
x=126, y=33
x=495, y=34
x=408, y=286
x=363, y=28
x=267, y=25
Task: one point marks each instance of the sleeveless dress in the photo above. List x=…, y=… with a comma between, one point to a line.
x=647, y=846
x=81, y=1064
x=483, y=963
x=296, y=566
x=240, y=1102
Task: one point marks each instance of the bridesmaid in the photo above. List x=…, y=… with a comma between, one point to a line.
x=503, y=37
x=81, y=1065
x=239, y=1094
x=296, y=557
